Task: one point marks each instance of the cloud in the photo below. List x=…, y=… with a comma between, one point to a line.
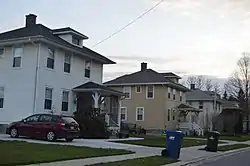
x=152, y=59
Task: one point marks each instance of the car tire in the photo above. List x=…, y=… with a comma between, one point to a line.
x=14, y=132
x=51, y=136
x=69, y=139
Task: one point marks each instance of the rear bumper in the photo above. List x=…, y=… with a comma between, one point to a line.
x=68, y=134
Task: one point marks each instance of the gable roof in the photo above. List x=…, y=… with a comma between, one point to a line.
x=199, y=95
x=147, y=76
x=39, y=30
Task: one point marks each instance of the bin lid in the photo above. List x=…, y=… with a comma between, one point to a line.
x=173, y=132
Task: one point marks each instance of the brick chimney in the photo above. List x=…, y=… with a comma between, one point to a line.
x=30, y=20
x=143, y=66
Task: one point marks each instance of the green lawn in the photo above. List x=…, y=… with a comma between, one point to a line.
x=160, y=141
x=239, y=138
x=21, y=153
x=232, y=147
x=147, y=161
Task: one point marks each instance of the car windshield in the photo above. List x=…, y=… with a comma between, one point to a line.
x=69, y=120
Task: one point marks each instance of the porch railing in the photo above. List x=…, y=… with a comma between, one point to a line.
x=188, y=127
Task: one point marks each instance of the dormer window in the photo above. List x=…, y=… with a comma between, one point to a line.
x=75, y=41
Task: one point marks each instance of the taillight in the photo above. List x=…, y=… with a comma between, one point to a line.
x=60, y=124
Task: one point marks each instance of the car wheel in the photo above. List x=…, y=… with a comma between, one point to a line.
x=50, y=136
x=69, y=139
x=14, y=133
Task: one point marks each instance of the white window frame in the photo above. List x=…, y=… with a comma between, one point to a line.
x=2, y=95
x=136, y=89
x=174, y=94
x=129, y=91
x=65, y=91
x=65, y=62
x=143, y=113
x=173, y=115
x=169, y=92
x=181, y=96
x=52, y=89
x=126, y=113
x=147, y=92
x=49, y=57
x=17, y=56
x=87, y=68
x=169, y=115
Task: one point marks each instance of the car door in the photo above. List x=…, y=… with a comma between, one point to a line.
x=26, y=128
x=45, y=124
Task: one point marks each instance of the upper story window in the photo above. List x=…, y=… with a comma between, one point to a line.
x=169, y=114
x=65, y=100
x=1, y=96
x=150, y=92
x=123, y=113
x=87, y=68
x=17, y=57
x=67, y=62
x=138, y=89
x=169, y=93
x=174, y=94
x=127, y=91
x=75, y=41
x=180, y=96
x=200, y=105
x=48, y=98
x=51, y=58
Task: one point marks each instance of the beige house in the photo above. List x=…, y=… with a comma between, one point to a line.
x=153, y=100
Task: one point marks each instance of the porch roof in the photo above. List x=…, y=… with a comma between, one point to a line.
x=186, y=107
x=91, y=86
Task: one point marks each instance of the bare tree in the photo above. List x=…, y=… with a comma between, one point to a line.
x=216, y=88
x=238, y=85
x=199, y=81
x=208, y=84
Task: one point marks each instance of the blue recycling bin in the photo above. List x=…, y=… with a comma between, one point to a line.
x=173, y=144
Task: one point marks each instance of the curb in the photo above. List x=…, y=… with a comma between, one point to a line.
x=214, y=157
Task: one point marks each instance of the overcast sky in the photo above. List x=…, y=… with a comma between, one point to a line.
x=184, y=36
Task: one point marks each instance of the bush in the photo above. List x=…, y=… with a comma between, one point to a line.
x=92, y=124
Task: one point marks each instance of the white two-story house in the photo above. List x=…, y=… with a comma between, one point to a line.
x=43, y=69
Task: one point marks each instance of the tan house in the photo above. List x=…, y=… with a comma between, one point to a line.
x=153, y=100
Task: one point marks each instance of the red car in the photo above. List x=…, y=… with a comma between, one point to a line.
x=48, y=126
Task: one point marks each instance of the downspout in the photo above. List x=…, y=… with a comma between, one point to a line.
x=36, y=76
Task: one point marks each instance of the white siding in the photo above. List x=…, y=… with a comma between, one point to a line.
x=59, y=80
x=18, y=84
x=67, y=37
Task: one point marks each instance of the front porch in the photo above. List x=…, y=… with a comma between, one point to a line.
x=104, y=99
x=188, y=118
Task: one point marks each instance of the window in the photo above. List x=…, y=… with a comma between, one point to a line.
x=17, y=59
x=173, y=114
x=174, y=93
x=48, y=98
x=65, y=101
x=180, y=96
x=45, y=118
x=123, y=113
x=87, y=68
x=150, y=92
x=169, y=114
x=1, y=96
x=75, y=41
x=1, y=51
x=138, y=89
x=201, y=105
x=33, y=118
x=140, y=114
x=127, y=91
x=67, y=62
x=169, y=93
x=51, y=58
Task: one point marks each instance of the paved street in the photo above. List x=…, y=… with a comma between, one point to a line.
x=241, y=159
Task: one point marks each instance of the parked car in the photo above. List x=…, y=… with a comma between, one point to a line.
x=128, y=129
x=45, y=126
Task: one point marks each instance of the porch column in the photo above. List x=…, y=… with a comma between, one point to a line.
x=119, y=113
x=190, y=120
x=96, y=97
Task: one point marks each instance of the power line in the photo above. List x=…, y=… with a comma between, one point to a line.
x=133, y=21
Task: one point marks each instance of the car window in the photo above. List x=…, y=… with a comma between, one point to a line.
x=69, y=120
x=45, y=118
x=33, y=118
